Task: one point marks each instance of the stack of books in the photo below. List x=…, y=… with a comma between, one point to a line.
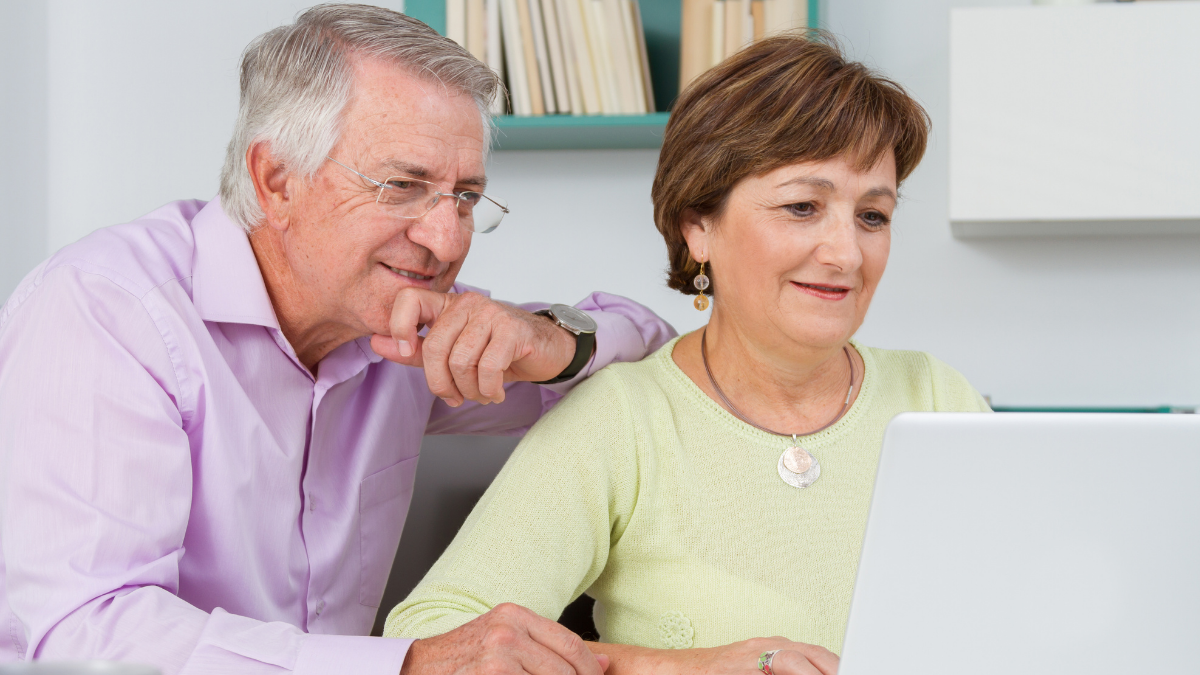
x=714, y=29
x=570, y=57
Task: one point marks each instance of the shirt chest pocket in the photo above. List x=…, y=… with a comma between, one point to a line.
x=383, y=502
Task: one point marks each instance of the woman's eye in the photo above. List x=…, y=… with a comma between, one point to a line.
x=801, y=209
x=875, y=219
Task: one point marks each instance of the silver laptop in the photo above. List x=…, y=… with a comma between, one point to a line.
x=1031, y=543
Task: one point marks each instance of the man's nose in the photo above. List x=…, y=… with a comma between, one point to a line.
x=440, y=230
x=839, y=246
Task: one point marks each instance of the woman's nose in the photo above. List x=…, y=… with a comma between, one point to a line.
x=839, y=245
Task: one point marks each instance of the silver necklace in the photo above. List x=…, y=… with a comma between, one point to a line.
x=797, y=466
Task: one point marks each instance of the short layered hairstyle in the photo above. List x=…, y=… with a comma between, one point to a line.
x=784, y=100
x=296, y=81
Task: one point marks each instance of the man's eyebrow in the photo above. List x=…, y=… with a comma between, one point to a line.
x=396, y=167
x=401, y=168
x=477, y=182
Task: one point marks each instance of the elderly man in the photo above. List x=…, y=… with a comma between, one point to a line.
x=210, y=417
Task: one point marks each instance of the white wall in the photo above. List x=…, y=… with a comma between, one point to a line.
x=142, y=95
x=23, y=185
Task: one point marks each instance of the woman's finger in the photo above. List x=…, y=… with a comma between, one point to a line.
x=793, y=662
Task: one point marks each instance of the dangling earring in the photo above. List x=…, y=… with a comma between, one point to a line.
x=701, y=282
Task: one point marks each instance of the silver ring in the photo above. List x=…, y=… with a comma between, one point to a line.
x=765, y=659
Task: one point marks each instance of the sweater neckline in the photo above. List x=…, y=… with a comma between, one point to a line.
x=729, y=420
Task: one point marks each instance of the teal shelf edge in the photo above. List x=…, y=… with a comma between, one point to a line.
x=1165, y=409
x=598, y=132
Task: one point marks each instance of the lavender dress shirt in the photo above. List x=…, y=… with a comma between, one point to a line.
x=177, y=489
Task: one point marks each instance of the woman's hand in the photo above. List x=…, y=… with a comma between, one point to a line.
x=793, y=658
x=739, y=658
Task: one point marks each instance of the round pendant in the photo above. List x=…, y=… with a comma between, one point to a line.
x=798, y=468
x=701, y=302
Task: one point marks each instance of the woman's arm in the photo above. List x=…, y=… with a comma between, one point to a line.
x=541, y=534
x=739, y=658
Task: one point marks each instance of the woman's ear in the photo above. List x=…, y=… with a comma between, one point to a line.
x=695, y=230
x=270, y=179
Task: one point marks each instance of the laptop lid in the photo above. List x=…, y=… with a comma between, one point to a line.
x=1031, y=543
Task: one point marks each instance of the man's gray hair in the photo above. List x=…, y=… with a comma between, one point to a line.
x=297, y=80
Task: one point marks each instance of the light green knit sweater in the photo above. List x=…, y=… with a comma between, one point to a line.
x=642, y=491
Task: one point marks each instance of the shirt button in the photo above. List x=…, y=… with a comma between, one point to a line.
x=320, y=607
x=312, y=503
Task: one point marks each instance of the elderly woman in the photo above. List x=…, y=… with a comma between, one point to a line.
x=718, y=490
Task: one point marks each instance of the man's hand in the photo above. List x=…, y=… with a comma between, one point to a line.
x=509, y=640
x=474, y=344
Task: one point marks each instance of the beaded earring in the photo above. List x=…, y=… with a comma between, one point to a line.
x=701, y=282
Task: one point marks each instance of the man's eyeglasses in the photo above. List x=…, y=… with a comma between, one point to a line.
x=409, y=197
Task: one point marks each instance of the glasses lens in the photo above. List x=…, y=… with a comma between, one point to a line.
x=487, y=214
x=409, y=197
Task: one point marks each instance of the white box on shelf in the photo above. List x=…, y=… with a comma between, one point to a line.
x=1075, y=120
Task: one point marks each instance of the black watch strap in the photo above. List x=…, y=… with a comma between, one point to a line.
x=584, y=342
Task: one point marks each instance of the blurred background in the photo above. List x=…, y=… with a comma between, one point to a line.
x=111, y=109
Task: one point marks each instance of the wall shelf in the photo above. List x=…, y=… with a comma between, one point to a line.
x=1075, y=120
x=661, y=20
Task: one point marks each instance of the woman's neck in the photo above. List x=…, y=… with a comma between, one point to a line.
x=784, y=387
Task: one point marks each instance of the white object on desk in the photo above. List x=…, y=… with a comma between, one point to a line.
x=1031, y=543
x=1075, y=120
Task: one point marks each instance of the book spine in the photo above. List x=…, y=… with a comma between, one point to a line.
x=558, y=65
x=602, y=58
x=537, y=103
x=456, y=21
x=542, y=53
x=718, y=32
x=618, y=49
x=579, y=43
x=495, y=46
x=633, y=73
x=515, y=58
x=695, y=37
x=643, y=57
x=477, y=29
x=733, y=27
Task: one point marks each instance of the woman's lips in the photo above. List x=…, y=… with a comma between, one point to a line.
x=823, y=292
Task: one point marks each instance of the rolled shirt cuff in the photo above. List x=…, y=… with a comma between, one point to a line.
x=324, y=654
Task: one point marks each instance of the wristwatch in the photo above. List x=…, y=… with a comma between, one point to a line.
x=579, y=324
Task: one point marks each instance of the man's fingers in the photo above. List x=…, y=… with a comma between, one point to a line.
x=567, y=645
x=413, y=308
x=387, y=347
x=492, y=365
x=436, y=349
x=537, y=659
x=468, y=349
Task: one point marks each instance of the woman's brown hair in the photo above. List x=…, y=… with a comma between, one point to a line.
x=782, y=100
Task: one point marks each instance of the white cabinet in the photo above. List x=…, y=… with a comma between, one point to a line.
x=1075, y=120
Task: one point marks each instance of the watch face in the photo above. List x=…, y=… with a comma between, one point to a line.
x=574, y=318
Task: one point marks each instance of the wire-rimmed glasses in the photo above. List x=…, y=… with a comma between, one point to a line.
x=408, y=197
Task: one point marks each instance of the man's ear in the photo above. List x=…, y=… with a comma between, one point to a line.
x=695, y=230
x=270, y=179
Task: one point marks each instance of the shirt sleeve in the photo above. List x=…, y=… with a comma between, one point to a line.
x=625, y=331
x=563, y=500
x=95, y=499
x=951, y=390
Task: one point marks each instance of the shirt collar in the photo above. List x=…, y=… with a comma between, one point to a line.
x=227, y=285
